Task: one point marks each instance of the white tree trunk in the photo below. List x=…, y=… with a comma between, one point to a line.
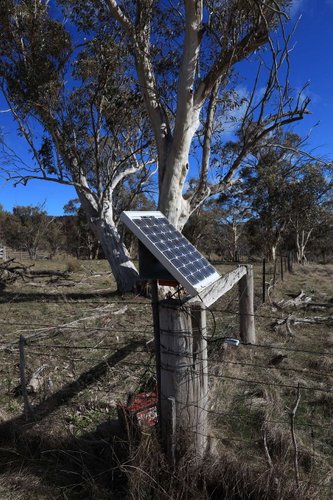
x=298, y=247
x=123, y=269
x=174, y=170
x=302, y=239
x=171, y=201
x=102, y=224
x=173, y=137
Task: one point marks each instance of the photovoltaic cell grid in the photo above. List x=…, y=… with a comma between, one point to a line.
x=176, y=250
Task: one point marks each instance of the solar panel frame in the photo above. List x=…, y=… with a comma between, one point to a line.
x=202, y=273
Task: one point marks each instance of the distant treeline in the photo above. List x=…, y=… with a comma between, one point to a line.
x=222, y=231
x=31, y=229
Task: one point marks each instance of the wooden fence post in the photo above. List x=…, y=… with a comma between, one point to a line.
x=172, y=423
x=156, y=321
x=263, y=280
x=27, y=407
x=246, y=307
x=200, y=362
x=184, y=378
x=290, y=262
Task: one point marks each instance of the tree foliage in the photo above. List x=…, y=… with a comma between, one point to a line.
x=81, y=98
x=285, y=194
x=113, y=84
x=28, y=228
x=185, y=57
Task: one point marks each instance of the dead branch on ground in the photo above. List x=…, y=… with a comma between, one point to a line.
x=282, y=323
x=298, y=302
x=12, y=270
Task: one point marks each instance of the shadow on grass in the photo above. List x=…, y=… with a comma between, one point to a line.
x=6, y=296
x=65, y=466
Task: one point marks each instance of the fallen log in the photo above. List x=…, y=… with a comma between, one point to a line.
x=292, y=320
x=48, y=273
x=298, y=302
x=284, y=323
x=319, y=306
x=315, y=320
x=11, y=270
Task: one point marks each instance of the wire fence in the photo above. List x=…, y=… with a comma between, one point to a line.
x=124, y=356
x=57, y=350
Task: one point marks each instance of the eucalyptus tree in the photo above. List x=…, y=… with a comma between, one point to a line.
x=26, y=229
x=80, y=239
x=75, y=104
x=205, y=231
x=269, y=190
x=185, y=54
x=311, y=205
x=286, y=193
x=178, y=60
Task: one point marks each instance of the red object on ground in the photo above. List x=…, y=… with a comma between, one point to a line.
x=143, y=407
x=168, y=283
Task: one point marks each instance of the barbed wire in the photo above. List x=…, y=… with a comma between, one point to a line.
x=209, y=309
x=61, y=326
x=14, y=345
x=177, y=353
x=249, y=416
x=291, y=349
x=97, y=348
x=304, y=371
x=212, y=375
x=271, y=384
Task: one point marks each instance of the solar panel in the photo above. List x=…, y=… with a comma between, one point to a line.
x=172, y=249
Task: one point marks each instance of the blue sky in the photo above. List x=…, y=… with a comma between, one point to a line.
x=311, y=61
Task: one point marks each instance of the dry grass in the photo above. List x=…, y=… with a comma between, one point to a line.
x=73, y=447
x=256, y=428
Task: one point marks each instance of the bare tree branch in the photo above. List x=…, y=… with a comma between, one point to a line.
x=121, y=17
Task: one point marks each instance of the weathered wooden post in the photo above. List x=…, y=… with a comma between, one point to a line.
x=172, y=438
x=184, y=377
x=157, y=342
x=290, y=262
x=246, y=307
x=200, y=365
